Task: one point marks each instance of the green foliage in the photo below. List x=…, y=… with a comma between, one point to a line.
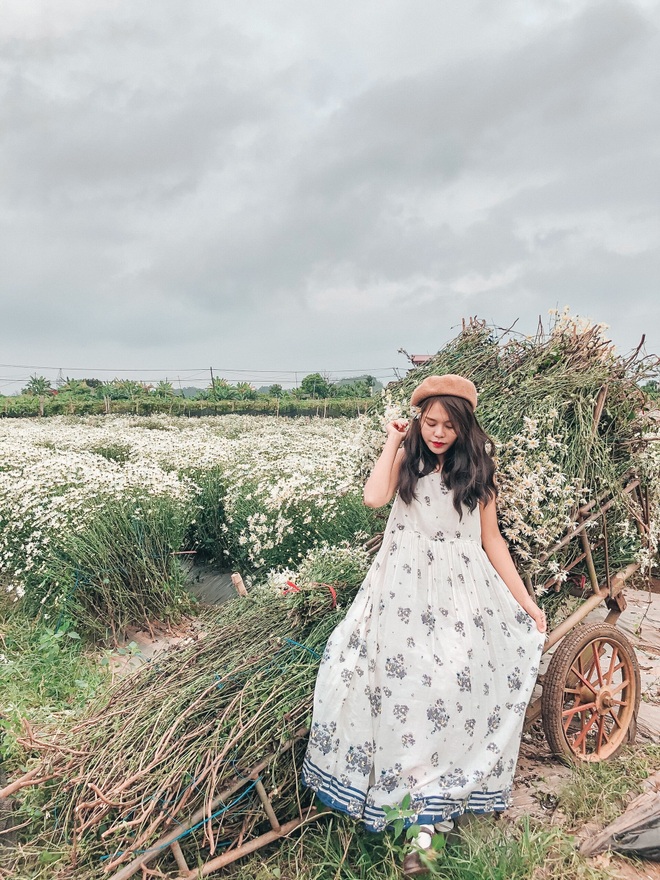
x=315, y=386
x=43, y=670
x=338, y=849
x=115, y=569
x=601, y=789
x=37, y=385
x=119, y=452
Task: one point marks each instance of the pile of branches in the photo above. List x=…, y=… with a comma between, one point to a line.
x=152, y=756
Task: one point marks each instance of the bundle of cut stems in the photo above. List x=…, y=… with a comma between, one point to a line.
x=188, y=725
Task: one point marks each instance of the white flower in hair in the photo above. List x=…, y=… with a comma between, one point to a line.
x=415, y=412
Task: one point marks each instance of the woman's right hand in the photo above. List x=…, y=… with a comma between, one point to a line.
x=397, y=428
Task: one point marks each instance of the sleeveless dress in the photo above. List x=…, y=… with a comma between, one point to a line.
x=423, y=687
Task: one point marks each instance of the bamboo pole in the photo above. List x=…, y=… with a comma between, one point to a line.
x=591, y=568
x=592, y=602
x=247, y=848
x=268, y=807
x=157, y=848
x=576, y=531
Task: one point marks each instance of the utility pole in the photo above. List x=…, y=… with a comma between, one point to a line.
x=212, y=383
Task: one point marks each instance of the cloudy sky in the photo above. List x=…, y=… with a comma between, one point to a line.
x=280, y=187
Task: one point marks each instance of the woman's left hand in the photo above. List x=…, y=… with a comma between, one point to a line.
x=539, y=617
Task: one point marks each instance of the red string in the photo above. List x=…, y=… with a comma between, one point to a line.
x=292, y=588
x=333, y=593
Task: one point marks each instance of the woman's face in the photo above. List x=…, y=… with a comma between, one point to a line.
x=437, y=429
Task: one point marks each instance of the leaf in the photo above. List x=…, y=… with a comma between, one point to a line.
x=47, y=858
x=398, y=827
x=438, y=842
x=73, y=635
x=412, y=831
x=405, y=803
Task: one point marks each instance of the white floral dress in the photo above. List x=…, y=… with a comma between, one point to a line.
x=423, y=687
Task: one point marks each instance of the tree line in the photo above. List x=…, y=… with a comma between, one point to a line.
x=81, y=396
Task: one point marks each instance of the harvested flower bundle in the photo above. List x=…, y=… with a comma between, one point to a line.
x=570, y=422
x=153, y=756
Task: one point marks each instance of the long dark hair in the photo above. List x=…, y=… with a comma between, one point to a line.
x=467, y=468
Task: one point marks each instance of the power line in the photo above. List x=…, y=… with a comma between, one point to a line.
x=190, y=370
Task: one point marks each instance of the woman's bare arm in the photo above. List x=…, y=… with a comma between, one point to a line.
x=498, y=553
x=383, y=480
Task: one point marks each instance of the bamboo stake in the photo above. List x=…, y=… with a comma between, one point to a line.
x=239, y=586
x=247, y=848
x=591, y=568
x=156, y=849
x=178, y=855
x=268, y=807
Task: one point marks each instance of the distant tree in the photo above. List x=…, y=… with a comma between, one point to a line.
x=38, y=385
x=222, y=390
x=165, y=390
x=276, y=391
x=245, y=391
x=75, y=388
x=315, y=386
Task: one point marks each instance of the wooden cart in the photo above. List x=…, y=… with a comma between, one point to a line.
x=591, y=689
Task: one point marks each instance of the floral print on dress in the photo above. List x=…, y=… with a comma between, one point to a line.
x=432, y=667
x=401, y=713
x=437, y=715
x=464, y=679
x=395, y=667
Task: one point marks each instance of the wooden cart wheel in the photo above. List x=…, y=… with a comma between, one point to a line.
x=591, y=694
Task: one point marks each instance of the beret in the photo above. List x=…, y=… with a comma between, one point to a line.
x=450, y=383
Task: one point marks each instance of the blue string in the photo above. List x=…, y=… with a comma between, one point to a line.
x=306, y=647
x=142, y=852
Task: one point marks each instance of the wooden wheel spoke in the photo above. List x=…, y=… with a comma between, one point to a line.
x=581, y=708
x=591, y=666
x=620, y=686
x=613, y=667
x=615, y=718
x=619, y=702
x=584, y=681
x=580, y=739
x=596, y=655
x=601, y=734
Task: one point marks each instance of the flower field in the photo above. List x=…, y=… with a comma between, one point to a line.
x=96, y=512
x=93, y=512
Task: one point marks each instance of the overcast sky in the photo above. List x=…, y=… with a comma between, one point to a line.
x=307, y=185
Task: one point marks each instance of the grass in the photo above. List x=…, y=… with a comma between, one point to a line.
x=338, y=849
x=43, y=671
x=601, y=791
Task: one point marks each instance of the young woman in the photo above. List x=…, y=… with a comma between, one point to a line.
x=423, y=686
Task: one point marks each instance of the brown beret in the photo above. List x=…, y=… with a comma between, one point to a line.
x=450, y=383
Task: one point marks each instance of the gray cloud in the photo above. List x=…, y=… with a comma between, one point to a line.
x=312, y=186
